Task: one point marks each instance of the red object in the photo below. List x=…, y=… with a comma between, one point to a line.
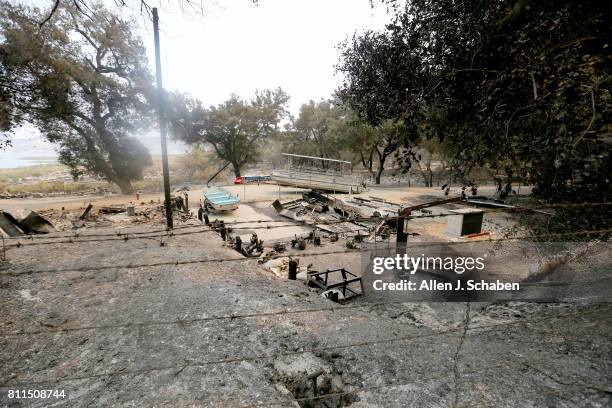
x=239, y=180
x=480, y=234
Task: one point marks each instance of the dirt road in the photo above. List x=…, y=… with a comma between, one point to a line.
x=248, y=193
x=253, y=193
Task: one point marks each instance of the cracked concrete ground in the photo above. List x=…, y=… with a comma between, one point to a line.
x=145, y=336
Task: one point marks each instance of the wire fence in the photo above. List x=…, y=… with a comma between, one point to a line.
x=76, y=238
x=205, y=229
x=234, y=316
x=304, y=254
x=123, y=235
x=271, y=356
x=501, y=363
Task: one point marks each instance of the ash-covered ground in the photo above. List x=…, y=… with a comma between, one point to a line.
x=231, y=334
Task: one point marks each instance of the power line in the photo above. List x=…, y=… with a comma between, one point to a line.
x=290, y=353
x=219, y=260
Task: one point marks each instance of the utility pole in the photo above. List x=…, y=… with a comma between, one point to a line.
x=162, y=121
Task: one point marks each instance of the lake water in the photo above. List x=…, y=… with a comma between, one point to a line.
x=10, y=163
x=29, y=151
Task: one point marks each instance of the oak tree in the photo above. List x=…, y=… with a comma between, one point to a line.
x=235, y=128
x=517, y=85
x=84, y=82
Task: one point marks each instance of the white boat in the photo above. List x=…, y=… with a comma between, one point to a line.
x=220, y=199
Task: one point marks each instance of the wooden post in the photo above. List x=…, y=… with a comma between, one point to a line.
x=292, y=270
x=402, y=237
x=162, y=121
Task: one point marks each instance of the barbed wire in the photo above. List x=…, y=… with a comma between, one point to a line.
x=314, y=350
x=120, y=237
x=499, y=363
x=232, y=316
x=122, y=234
x=305, y=254
x=170, y=234
x=125, y=236
x=236, y=316
x=274, y=313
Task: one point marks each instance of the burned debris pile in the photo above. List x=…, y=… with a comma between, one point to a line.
x=332, y=221
x=17, y=223
x=337, y=285
x=21, y=223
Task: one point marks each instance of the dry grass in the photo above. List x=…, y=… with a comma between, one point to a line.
x=50, y=188
x=194, y=167
x=8, y=176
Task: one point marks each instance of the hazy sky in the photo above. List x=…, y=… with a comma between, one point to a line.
x=237, y=47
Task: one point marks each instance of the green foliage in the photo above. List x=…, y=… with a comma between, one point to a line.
x=521, y=86
x=373, y=144
x=236, y=128
x=326, y=129
x=357, y=137
x=83, y=82
x=311, y=129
